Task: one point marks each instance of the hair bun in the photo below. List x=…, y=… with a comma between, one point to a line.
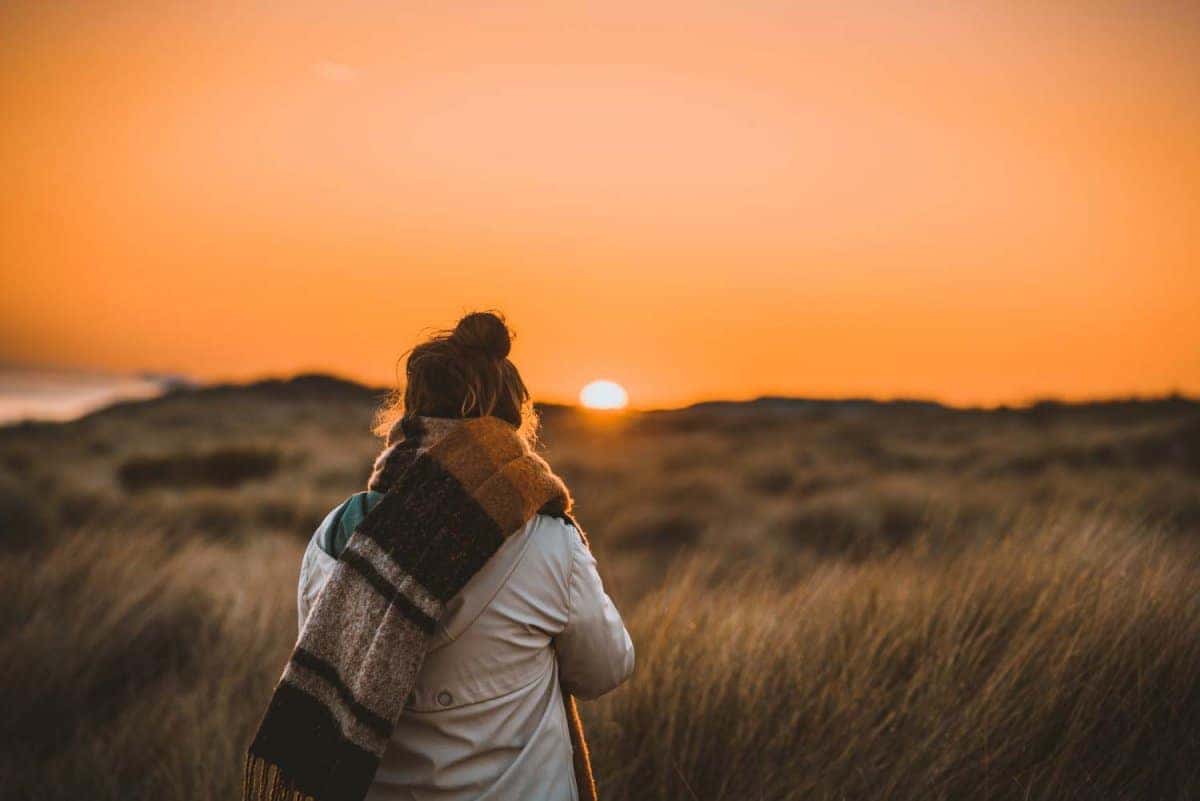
x=485, y=331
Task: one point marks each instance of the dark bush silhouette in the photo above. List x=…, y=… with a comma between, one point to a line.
x=22, y=519
x=662, y=531
x=854, y=528
x=771, y=479
x=225, y=468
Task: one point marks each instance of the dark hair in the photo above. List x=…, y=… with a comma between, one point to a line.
x=463, y=373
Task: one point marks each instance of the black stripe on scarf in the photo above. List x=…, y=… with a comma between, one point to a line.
x=317, y=665
x=300, y=735
x=441, y=537
x=389, y=591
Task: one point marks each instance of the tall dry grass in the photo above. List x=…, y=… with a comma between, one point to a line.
x=136, y=669
x=1059, y=662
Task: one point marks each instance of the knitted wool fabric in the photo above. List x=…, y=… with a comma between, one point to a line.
x=455, y=490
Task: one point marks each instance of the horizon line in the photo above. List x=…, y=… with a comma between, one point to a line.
x=180, y=381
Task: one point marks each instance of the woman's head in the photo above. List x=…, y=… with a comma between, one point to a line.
x=463, y=373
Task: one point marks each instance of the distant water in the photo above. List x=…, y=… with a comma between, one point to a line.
x=33, y=394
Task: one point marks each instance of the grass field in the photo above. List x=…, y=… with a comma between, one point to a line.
x=840, y=600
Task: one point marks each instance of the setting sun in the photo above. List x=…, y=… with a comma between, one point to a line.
x=604, y=395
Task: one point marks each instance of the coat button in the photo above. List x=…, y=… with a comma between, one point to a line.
x=444, y=698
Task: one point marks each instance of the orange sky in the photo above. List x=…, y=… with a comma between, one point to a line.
x=982, y=203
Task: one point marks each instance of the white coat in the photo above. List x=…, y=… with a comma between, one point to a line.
x=485, y=720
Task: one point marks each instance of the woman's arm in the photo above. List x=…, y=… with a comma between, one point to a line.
x=315, y=570
x=595, y=652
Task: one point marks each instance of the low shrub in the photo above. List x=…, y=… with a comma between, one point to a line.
x=660, y=529
x=224, y=468
x=25, y=516
x=854, y=525
x=771, y=479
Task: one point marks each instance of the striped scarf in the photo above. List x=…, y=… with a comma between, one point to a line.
x=455, y=490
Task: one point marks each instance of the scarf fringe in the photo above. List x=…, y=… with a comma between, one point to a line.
x=264, y=781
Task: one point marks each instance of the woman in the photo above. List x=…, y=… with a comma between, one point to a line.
x=449, y=613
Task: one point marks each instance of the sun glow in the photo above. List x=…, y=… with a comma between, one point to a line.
x=604, y=395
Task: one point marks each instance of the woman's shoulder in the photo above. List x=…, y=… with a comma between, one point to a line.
x=553, y=529
x=335, y=530
x=553, y=540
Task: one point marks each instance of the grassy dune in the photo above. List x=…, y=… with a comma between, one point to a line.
x=830, y=601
